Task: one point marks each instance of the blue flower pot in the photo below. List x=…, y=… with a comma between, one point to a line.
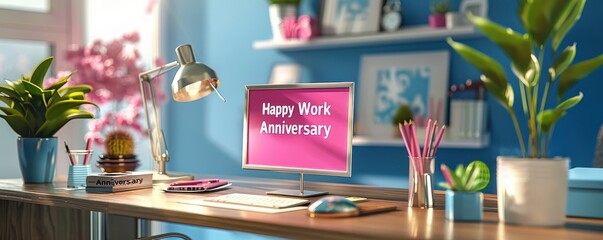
x=464, y=206
x=37, y=159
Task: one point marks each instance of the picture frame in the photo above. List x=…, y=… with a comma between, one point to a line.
x=418, y=79
x=340, y=17
x=285, y=73
x=476, y=7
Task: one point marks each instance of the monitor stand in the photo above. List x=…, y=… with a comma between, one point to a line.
x=297, y=193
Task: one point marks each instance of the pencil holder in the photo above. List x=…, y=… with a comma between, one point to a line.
x=79, y=168
x=420, y=182
x=77, y=176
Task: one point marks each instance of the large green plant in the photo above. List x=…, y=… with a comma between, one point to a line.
x=34, y=111
x=546, y=23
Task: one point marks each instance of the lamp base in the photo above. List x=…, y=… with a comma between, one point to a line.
x=296, y=193
x=169, y=178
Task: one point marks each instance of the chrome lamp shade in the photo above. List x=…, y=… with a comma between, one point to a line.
x=192, y=81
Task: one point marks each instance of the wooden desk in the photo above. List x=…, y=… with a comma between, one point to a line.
x=405, y=223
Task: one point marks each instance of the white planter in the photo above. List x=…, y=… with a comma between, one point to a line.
x=532, y=191
x=278, y=12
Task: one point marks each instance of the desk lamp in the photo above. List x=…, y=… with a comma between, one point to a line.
x=192, y=81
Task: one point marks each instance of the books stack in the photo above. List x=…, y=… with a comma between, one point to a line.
x=117, y=182
x=467, y=118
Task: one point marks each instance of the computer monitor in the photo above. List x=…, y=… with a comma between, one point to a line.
x=299, y=128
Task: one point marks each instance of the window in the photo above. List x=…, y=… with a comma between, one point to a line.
x=31, y=30
x=41, y=6
x=55, y=23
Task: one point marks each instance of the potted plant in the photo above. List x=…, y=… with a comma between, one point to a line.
x=532, y=188
x=36, y=114
x=279, y=10
x=439, y=8
x=464, y=201
x=403, y=114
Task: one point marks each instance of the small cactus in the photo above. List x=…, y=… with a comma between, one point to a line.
x=119, y=143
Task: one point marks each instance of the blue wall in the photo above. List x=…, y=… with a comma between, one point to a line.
x=206, y=136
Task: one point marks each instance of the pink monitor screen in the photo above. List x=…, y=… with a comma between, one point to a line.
x=302, y=128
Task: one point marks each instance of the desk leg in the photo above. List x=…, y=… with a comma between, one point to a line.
x=110, y=226
x=143, y=228
x=98, y=225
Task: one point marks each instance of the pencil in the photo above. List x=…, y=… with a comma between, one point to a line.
x=69, y=153
x=404, y=137
x=87, y=156
x=426, y=140
x=434, y=129
x=437, y=143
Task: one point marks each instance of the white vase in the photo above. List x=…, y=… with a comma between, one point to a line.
x=278, y=12
x=532, y=191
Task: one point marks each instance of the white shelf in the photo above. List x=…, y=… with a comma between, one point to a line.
x=406, y=34
x=445, y=143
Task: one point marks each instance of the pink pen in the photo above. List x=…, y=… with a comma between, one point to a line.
x=194, y=182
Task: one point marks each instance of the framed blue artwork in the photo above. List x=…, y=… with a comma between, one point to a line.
x=417, y=79
x=341, y=17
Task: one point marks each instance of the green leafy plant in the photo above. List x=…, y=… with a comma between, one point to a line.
x=404, y=113
x=34, y=111
x=474, y=178
x=440, y=7
x=546, y=22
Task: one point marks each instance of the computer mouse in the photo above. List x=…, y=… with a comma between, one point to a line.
x=333, y=206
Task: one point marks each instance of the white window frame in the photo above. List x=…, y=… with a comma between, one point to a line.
x=61, y=27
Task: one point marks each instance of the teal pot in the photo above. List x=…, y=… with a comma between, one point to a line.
x=37, y=159
x=532, y=191
x=464, y=206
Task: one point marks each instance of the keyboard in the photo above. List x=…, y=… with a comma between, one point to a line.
x=258, y=200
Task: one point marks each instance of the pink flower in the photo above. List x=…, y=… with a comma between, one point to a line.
x=112, y=69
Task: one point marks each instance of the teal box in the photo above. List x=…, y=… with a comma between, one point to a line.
x=585, y=194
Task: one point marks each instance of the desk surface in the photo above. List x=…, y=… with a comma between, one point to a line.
x=402, y=224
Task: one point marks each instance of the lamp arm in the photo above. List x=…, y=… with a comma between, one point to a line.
x=158, y=71
x=156, y=136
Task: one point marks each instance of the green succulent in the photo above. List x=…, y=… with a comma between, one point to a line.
x=404, y=113
x=440, y=7
x=546, y=22
x=474, y=178
x=34, y=111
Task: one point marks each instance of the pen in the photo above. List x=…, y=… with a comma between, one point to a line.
x=69, y=153
x=194, y=182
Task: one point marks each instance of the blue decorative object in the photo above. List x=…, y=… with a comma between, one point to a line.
x=37, y=159
x=585, y=193
x=464, y=206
